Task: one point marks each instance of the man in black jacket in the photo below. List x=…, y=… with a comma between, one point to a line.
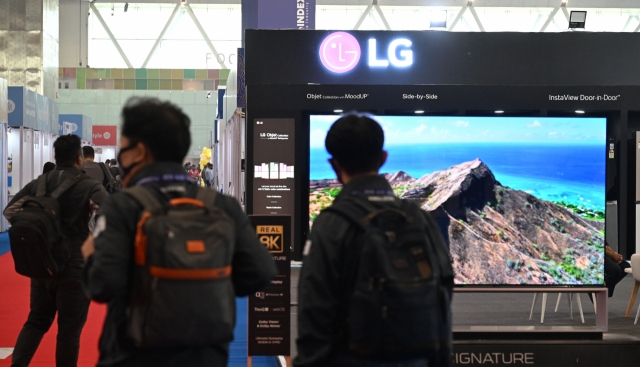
x=355, y=143
x=155, y=139
x=64, y=294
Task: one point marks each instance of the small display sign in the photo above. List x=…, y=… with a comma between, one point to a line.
x=270, y=309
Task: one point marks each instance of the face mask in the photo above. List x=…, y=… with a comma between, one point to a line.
x=124, y=171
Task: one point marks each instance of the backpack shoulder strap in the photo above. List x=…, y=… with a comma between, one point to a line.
x=437, y=242
x=207, y=196
x=351, y=210
x=143, y=196
x=105, y=171
x=41, y=185
x=66, y=185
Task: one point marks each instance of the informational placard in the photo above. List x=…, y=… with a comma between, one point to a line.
x=273, y=168
x=270, y=308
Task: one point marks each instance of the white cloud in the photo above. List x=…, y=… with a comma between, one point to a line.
x=553, y=133
x=534, y=124
x=420, y=128
x=317, y=138
x=461, y=123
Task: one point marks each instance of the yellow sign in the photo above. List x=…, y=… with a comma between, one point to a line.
x=271, y=237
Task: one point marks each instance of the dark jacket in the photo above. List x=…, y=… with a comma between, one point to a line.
x=107, y=274
x=115, y=171
x=94, y=171
x=322, y=305
x=76, y=207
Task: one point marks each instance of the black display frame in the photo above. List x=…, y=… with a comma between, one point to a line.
x=283, y=69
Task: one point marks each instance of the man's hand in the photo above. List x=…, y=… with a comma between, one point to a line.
x=617, y=258
x=88, y=248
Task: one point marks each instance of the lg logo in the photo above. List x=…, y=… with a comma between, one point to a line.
x=340, y=52
x=107, y=135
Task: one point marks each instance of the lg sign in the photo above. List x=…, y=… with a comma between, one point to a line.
x=340, y=52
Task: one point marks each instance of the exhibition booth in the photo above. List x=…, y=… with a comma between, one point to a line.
x=105, y=142
x=33, y=127
x=515, y=142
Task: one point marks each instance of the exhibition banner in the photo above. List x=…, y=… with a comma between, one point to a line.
x=270, y=309
x=279, y=14
x=79, y=125
x=104, y=135
x=241, y=99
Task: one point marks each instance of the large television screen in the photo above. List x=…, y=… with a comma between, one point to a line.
x=520, y=200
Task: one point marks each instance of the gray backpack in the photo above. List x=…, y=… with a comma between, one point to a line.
x=182, y=294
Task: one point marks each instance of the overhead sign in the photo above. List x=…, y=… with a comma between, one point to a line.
x=340, y=52
x=105, y=135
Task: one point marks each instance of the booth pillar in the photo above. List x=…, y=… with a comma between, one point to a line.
x=32, y=47
x=4, y=120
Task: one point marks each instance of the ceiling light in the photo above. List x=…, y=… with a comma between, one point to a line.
x=337, y=111
x=419, y=111
x=577, y=19
x=499, y=111
x=580, y=111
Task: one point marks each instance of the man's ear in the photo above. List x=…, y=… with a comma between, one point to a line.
x=337, y=169
x=383, y=158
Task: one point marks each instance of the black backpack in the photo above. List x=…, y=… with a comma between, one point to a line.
x=36, y=236
x=110, y=183
x=182, y=294
x=398, y=285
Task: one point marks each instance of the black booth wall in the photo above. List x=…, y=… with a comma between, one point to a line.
x=471, y=74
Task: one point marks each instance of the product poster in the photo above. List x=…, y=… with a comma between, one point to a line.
x=270, y=309
x=273, y=168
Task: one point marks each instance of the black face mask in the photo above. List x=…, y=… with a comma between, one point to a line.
x=124, y=171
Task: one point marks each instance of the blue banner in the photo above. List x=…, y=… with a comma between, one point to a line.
x=278, y=14
x=242, y=102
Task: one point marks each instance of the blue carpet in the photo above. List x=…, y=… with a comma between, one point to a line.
x=238, y=348
x=4, y=243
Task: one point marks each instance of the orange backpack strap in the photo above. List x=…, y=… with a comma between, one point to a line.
x=150, y=204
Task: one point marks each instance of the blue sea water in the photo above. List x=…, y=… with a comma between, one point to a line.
x=572, y=172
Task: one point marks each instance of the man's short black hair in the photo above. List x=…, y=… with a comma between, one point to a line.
x=355, y=141
x=88, y=152
x=67, y=149
x=161, y=126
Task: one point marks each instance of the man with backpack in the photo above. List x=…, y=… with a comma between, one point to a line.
x=113, y=167
x=376, y=282
x=94, y=169
x=99, y=171
x=168, y=257
x=50, y=219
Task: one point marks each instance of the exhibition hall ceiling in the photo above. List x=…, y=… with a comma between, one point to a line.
x=623, y=4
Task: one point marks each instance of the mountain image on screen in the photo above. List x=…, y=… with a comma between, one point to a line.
x=543, y=228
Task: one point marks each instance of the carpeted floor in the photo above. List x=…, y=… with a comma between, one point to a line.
x=14, y=308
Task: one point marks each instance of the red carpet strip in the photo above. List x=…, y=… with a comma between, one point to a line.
x=14, y=308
